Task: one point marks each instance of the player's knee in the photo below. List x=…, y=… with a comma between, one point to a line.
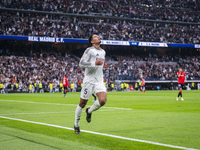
x=82, y=103
x=103, y=101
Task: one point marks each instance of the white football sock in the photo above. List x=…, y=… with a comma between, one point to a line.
x=94, y=107
x=78, y=113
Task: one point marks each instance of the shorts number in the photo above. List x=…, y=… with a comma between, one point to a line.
x=85, y=91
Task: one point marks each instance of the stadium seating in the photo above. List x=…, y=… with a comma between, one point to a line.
x=174, y=10
x=174, y=21
x=52, y=69
x=33, y=24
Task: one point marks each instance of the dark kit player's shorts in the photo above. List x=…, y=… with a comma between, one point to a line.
x=65, y=88
x=181, y=85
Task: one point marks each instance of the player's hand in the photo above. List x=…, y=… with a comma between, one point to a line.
x=105, y=65
x=98, y=62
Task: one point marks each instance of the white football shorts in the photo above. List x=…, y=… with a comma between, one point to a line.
x=89, y=88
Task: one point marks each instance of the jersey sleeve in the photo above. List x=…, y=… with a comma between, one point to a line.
x=84, y=62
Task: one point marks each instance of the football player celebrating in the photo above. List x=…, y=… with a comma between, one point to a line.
x=65, y=85
x=181, y=82
x=93, y=60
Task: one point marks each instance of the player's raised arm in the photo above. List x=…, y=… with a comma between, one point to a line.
x=84, y=62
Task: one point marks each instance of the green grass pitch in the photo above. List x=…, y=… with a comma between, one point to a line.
x=152, y=116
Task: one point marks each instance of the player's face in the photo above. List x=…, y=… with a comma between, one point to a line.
x=96, y=39
x=180, y=70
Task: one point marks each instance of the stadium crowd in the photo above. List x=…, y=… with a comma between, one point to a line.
x=171, y=10
x=38, y=69
x=32, y=24
x=156, y=67
x=50, y=69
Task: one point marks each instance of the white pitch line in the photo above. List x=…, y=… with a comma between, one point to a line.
x=31, y=102
x=119, y=108
x=38, y=113
x=36, y=102
x=104, y=134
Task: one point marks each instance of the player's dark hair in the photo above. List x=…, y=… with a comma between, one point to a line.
x=90, y=38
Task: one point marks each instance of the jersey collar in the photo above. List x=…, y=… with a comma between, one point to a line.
x=96, y=48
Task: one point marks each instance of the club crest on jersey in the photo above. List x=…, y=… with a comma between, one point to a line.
x=84, y=56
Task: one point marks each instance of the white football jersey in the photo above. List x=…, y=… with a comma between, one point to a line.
x=93, y=73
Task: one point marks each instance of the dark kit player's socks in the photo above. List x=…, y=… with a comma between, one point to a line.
x=180, y=93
